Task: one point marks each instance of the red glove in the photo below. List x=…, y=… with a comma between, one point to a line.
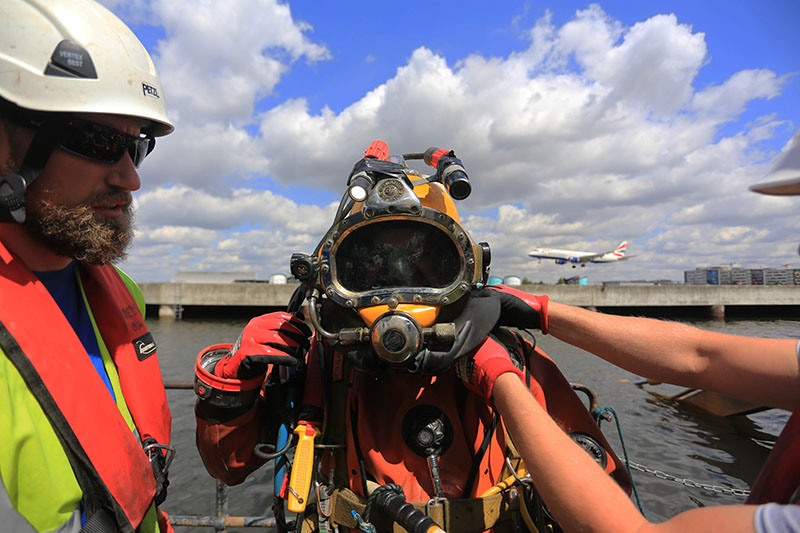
x=521, y=309
x=481, y=368
x=275, y=338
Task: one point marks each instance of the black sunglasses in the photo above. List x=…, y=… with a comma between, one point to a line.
x=103, y=144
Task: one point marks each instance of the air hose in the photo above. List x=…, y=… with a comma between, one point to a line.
x=391, y=500
x=598, y=413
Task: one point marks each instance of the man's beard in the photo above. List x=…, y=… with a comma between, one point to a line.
x=78, y=233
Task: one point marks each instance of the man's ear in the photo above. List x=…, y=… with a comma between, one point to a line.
x=14, y=143
x=5, y=146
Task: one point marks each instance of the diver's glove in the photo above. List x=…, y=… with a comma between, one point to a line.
x=275, y=338
x=481, y=368
x=519, y=309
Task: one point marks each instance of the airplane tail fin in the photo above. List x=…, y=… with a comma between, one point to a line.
x=620, y=250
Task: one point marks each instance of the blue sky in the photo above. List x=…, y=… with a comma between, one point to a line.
x=581, y=124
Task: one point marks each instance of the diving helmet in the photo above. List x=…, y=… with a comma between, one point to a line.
x=387, y=283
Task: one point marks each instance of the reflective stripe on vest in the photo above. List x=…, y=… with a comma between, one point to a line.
x=779, y=478
x=106, y=457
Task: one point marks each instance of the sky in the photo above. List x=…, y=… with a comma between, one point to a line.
x=580, y=124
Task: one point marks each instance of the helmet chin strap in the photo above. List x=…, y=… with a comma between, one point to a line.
x=13, y=187
x=12, y=194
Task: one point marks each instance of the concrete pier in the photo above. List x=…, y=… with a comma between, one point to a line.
x=717, y=299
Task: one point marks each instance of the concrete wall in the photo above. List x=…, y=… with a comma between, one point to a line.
x=247, y=294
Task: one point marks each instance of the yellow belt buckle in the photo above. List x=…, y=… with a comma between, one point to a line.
x=302, y=467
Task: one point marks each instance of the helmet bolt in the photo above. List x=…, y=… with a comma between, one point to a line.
x=348, y=303
x=325, y=268
x=329, y=292
x=417, y=298
x=392, y=302
x=445, y=300
x=375, y=300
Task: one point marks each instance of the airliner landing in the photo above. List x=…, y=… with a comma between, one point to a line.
x=581, y=258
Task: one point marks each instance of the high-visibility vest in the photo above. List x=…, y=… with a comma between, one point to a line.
x=65, y=439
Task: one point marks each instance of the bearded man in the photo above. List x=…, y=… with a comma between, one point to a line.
x=85, y=421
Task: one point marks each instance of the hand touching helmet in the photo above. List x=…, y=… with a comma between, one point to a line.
x=519, y=309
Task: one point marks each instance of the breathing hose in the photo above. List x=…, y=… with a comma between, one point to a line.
x=392, y=501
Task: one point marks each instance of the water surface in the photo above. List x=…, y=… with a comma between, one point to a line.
x=659, y=433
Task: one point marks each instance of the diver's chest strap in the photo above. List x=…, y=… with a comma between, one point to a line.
x=463, y=516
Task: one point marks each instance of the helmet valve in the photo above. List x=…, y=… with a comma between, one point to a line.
x=396, y=337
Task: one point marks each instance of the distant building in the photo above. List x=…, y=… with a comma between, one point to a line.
x=512, y=281
x=213, y=277
x=278, y=279
x=742, y=276
x=576, y=280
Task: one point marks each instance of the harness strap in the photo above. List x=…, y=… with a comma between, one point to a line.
x=99, y=522
x=464, y=515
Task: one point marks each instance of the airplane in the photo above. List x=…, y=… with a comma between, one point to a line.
x=575, y=257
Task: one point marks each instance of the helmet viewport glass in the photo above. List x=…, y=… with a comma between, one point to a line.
x=396, y=254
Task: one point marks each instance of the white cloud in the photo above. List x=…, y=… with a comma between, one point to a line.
x=728, y=100
x=196, y=208
x=593, y=134
x=219, y=59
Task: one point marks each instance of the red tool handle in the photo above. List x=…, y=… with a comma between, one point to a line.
x=433, y=154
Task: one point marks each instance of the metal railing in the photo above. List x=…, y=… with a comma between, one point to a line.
x=221, y=520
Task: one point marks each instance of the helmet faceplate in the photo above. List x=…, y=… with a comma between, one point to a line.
x=389, y=258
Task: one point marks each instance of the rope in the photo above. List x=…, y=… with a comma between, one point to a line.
x=597, y=413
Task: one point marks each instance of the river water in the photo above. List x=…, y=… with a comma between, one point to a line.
x=658, y=433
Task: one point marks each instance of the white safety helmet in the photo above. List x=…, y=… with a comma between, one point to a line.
x=76, y=56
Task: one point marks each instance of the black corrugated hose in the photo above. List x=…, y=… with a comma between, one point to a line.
x=391, y=500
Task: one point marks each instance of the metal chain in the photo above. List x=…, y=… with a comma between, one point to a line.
x=688, y=482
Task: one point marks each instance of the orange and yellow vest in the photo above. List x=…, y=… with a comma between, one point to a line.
x=65, y=439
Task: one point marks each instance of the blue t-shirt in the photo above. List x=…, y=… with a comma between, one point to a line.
x=63, y=287
x=776, y=518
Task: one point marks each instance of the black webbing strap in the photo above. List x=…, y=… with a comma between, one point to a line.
x=476, y=461
x=99, y=522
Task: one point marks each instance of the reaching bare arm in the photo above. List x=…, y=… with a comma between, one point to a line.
x=757, y=369
x=577, y=491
